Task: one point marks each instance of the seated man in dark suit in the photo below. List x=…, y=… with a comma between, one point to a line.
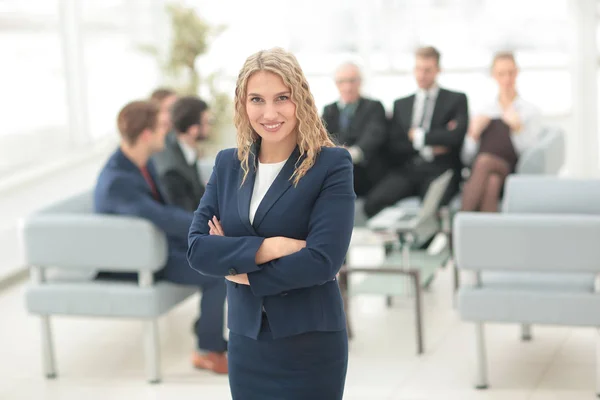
x=426, y=136
x=127, y=185
x=177, y=164
x=359, y=124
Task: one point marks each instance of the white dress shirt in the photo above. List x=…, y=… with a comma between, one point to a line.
x=265, y=176
x=419, y=107
x=530, y=117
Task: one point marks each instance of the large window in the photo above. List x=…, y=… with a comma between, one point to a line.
x=67, y=68
x=379, y=34
x=33, y=103
x=116, y=70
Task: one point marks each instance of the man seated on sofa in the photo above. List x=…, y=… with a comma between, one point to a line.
x=426, y=135
x=359, y=124
x=177, y=164
x=127, y=185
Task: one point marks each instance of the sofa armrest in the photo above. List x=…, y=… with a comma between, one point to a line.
x=532, y=161
x=527, y=242
x=88, y=241
x=546, y=156
x=551, y=195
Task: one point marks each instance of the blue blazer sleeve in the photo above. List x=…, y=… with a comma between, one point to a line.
x=130, y=200
x=330, y=230
x=218, y=255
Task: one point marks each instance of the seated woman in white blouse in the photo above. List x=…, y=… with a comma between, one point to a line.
x=497, y=136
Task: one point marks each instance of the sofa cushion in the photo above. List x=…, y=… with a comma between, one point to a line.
x=104, y=298
x=529, y=306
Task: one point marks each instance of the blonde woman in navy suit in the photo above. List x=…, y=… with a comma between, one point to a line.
x=275, y=222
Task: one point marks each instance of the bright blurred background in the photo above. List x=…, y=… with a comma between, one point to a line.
x=68, y=66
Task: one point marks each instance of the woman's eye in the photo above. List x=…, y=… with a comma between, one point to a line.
x=283, y=98
x=255, y=100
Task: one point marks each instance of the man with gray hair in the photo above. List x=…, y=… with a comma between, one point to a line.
x=359, y=124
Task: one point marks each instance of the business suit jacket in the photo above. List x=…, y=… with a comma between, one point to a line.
x=449, y=106
x=299, y=292
x=367, y=129
x=179, y=180
x=121, y=189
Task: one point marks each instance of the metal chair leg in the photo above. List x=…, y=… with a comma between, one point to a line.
x=482, y=379
x=418, y=311
x=455, y=271
x=388, y=301
x=152, y=350
x=49, y=363
x=597, y=362
x=38, y=277
x=526, y=332
x=456, y=279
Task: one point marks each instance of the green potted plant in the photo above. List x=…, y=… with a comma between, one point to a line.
x=190, y=38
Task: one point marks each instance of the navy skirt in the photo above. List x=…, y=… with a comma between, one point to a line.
x=311, y=366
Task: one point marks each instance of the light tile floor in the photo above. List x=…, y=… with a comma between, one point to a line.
x=102, y=359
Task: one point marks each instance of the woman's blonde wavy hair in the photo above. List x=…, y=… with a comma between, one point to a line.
x=312, y=135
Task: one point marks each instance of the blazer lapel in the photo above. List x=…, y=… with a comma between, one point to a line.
x=438, y=112
x=280, y=185
x=154, y=176
x=190, y=170
x=245, y=191
x=124, y=162
x=334, y=120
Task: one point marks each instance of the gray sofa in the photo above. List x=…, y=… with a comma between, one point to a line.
x=65, y=245
x=533, y=263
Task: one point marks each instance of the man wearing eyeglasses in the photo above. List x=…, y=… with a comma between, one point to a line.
x=177, y=164
x=359, y=124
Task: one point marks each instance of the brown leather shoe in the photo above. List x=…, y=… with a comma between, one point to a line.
x=216, y=362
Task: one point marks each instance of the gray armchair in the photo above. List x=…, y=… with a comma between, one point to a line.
x=546, y=157
x=534, y=263
x=66, y=244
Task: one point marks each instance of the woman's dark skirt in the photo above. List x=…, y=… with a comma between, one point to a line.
x=310, y=366
x=495, y=140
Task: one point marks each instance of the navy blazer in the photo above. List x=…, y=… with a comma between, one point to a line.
x=121, y=189
x=299, y=292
